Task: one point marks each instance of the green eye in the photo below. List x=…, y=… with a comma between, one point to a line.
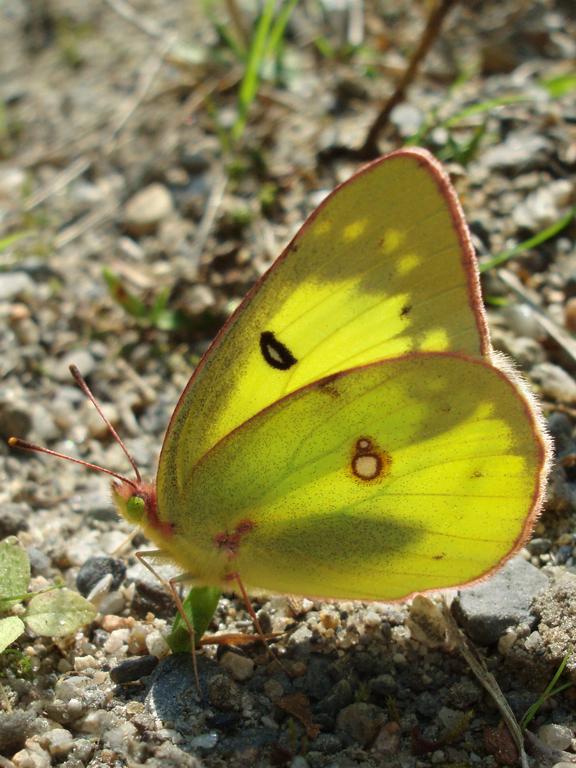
x=135, y=508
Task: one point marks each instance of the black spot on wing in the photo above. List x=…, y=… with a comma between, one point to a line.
x=276, y=354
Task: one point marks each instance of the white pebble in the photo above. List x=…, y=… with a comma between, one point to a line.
x=556, y=736
x=83, y=663
x=156, y=644
x=32, y=757
x=58, y=742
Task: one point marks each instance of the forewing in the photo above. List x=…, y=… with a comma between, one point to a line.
x=383, y=268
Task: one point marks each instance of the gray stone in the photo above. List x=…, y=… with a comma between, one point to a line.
x=556, y=736
x=81, y=358
x=522, y=151
x=15, y=418
x=14, y=284
x=14, y=518
x=146, y=209
x=560, y=427
x=58, y=742
x=486, y=610
x=555, y=382
x=543, y=206
x=173, y=695
x=240, y=667
x=15, y=728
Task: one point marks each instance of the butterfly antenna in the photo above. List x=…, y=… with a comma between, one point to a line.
x=24, y=445
x=81, y=381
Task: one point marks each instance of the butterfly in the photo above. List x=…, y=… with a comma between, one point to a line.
x=350, y=433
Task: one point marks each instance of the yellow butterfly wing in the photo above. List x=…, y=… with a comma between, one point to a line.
x=383, y=268
x=411, y=474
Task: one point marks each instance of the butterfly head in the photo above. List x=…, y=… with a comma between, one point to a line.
x=136, y=502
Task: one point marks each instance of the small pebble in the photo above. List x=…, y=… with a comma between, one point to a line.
x=570, y=314
x=240, y=667
x=361, y=721
x=156, y=644
x=206, y=741
x=32, y=757
x=146, y=209
x=95, y=569
x=556, y=736
x=58, y=742
x=110, y=623
x=15, y=285
x=224, y=693
x=133, y=669
x=555, y=382
x=81, y=663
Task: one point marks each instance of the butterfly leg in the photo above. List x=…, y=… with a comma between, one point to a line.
x=235, y=576
x=170, y=585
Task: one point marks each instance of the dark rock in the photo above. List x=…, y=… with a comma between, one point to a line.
x=318, y=680
x=174, y=694
x=15, y=419
x=560, y=426
x=327, y=743
x=133, y=669
x=13, y=519
x=40, y=563
x=15, y=728
x=339, y=697
x=486, y=610
x=382, y=687
x=224, y=693
x=95, y=569
x=152, y=597
x=361, y=722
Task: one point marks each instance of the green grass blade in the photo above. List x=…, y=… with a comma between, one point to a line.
x=484, y=106
x=275, y=43
x=532, y=242
x=561, y=85
x=550, y=691
x=251, y=79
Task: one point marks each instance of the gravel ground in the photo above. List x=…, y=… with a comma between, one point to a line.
x=111, y=158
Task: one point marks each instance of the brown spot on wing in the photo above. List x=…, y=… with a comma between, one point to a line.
x=230, y=542
x=369, y=462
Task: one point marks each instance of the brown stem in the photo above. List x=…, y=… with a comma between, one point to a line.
x=370, y=147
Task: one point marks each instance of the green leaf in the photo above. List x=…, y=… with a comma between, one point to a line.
x=14, y=572
x=58, y=613
x=199, y=606
x=10, y=630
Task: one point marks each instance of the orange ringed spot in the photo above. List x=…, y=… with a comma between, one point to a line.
x=368, y=461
